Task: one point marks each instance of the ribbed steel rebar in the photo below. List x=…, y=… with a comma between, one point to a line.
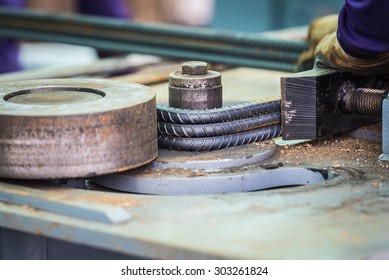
x=153, y=40
x=218, y=129
x=146, y=28
x=234, y=48
x=218, y=142
x=148, y=49
x=225, y=114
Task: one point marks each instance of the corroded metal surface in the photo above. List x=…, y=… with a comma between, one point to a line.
x=75, y=128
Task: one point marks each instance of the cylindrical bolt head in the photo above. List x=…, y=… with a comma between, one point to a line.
x=195, y=68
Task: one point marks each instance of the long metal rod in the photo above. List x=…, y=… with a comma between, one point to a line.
x=155, y=50
x=155, y=39
x=227, y=47
x=66, y=20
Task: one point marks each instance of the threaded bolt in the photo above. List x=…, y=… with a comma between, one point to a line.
x=195, y=68
x=365, y=101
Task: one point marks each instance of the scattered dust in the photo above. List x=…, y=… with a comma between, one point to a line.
x=336, y=151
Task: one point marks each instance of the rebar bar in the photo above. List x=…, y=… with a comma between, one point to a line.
x=219, y=142
x=225, y=114
x=235, y=48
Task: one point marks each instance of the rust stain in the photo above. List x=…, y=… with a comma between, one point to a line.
x=353, y=238
x=123, y=200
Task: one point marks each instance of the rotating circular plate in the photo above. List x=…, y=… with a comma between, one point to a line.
x=68, y=128
x=213, y=172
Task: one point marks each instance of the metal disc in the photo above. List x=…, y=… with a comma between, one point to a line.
x=237, y=169
x=65, y=128
x=193, y=182
x=234, y=157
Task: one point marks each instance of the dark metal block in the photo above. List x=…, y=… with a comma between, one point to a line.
x=311, y=105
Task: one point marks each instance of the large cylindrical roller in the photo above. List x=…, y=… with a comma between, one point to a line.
x=75, y=128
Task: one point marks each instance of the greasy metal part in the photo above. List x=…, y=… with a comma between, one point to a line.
x=365, y=101
x=218, y=142
x=234, y=48
x=52, y=129
x=229, y=113
x=195, y=88
x=26, y=197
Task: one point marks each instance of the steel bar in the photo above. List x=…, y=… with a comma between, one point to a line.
x=165, y=40
x=218, y=129
x=225, y=114
x=218, y=142
x=143, y=49
x=262, y=52
x=66, y=21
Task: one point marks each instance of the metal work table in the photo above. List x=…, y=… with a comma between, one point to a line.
x=343, y=218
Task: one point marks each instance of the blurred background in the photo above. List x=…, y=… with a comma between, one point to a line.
x=236, y=15
x=242, y=15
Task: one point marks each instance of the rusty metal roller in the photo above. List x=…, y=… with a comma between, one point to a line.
x=71, y=128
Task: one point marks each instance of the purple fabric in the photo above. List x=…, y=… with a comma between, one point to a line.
x=9, y=48
x=363, y=30
x=108, y=8
x=9, y=56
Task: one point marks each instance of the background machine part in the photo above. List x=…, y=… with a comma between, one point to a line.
x=75, y=128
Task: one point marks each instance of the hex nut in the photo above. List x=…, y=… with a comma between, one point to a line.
x=195, y=68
